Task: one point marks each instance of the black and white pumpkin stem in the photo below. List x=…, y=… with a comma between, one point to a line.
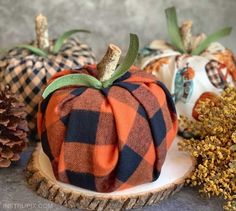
x=44, y=46
x=182, y=38
x=108, y=72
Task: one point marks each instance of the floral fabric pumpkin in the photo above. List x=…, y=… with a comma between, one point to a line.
x=110, y=136
x=27, y=69
x=193, y=67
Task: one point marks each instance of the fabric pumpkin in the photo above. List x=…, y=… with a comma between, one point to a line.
x=111, y=138
x=27, y=73
x=189, y=76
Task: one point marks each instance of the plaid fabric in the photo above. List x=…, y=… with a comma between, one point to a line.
x=215, y=74
x=109, y=139
x=27, y=73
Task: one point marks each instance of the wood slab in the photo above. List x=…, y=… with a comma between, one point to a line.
x=177, y=167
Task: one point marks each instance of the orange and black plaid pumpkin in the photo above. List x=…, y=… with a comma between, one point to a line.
x=27, y=71
x=108, y=138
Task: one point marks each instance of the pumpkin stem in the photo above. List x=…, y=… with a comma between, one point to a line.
x=197, y=40
x=41, y=29
x=186, y=35
x=107, y=66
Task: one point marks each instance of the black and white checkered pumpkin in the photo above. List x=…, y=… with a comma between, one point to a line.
x=27, y=73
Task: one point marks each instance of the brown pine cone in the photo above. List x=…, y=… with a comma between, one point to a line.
x=13, y=128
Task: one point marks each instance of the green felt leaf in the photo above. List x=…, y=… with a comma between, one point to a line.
x=128, y=61
x=173, y=29
x=3, y=50
x=34, y=50
x=89, y=81
x=72, y=80
x=211, y=38
x=64, y=37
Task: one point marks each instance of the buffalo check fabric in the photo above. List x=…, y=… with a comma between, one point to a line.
x=27, y=74
x=109, y=139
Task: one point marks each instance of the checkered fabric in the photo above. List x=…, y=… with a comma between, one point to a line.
x=109, y=139
x=27, y=73
x=214, y=72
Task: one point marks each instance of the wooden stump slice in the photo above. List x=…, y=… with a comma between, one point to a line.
x=177, y=167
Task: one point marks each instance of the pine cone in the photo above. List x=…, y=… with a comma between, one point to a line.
x=13, y=128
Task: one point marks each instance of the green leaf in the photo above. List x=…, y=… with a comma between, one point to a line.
x=34, y=50
x=173, y=29
x=3, y=50
x=72, y=80
x=128, y=60
x=211, y=38
x=65, y=36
